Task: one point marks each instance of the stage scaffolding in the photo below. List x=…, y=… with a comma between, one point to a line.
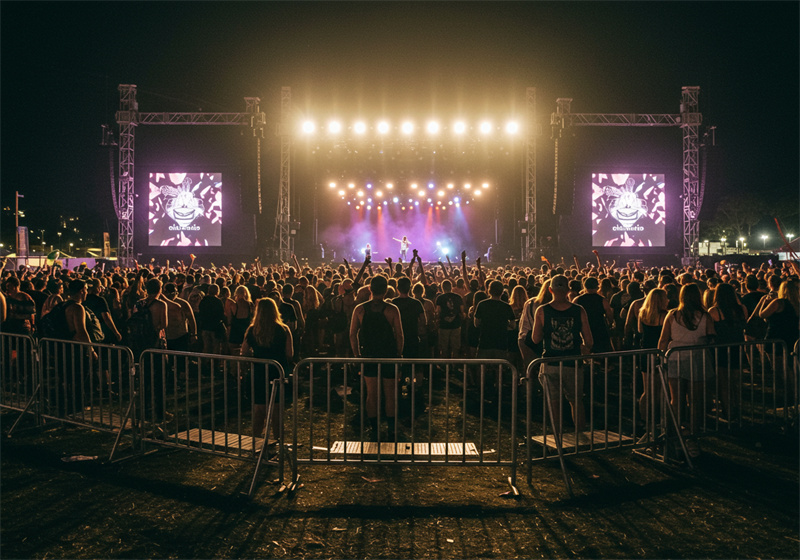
x=689, y=119
x=128, y=118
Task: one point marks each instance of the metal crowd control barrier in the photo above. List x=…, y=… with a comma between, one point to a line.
x=88, y=385
x=18, y=373
x=211, y=404
x=622, y=392
x=437, y=412
x=729, y=386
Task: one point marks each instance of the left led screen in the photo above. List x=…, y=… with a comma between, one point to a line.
x=185, y=209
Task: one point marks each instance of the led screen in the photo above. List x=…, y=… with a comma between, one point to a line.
x=628, y=210
x=185, y=209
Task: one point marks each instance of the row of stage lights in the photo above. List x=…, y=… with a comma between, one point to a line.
x=407, y=128
x=411, y=204
x=412, y=186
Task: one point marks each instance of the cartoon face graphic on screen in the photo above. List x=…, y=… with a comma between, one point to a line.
x=185, y=209
x=624, y=205
x=628, y=210
x=182, y=206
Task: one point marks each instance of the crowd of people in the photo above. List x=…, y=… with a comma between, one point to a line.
x=288, y=311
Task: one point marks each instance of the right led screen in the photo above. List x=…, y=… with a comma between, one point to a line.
x=628, y=210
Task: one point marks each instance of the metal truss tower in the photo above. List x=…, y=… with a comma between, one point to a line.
x=530, y=176
x=689, y=119
x=128, y=117
x=283, y=218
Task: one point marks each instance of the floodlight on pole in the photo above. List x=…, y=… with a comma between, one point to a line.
x=383, y=127
x=334, y=127
x=512, y=127
x=308, y=127
x=459, y=127
x=407, y=127
x=486, y=127
x=764, y=239
x=360, y=127
x=433, y=127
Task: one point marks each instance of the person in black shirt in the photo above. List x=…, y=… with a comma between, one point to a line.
x=376, y=331
x=561, y=325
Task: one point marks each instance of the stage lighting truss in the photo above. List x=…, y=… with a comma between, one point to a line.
x=355, y=131
x=410, y=195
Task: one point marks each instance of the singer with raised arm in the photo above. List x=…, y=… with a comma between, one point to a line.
x=404, y=245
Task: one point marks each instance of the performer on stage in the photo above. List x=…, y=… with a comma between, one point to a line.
x=404, y=245
x=368, y=251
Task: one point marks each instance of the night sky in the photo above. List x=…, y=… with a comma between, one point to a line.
x=62, y=62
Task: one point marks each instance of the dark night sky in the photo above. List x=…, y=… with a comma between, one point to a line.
x=62, y=62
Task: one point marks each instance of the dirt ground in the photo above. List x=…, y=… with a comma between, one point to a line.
x=741, y=501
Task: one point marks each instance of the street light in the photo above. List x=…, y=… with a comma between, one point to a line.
x=764, y=239
x=741, y=244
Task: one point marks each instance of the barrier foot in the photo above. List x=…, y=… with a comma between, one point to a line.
x=24, y=410
x=514, y=492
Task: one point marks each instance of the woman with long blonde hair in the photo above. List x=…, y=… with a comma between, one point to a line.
x=267, y=338
x=650, y=323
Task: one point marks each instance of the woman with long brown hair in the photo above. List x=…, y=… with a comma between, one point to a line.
x=267, y=338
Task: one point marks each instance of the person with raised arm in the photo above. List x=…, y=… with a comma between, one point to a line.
x=404, y=246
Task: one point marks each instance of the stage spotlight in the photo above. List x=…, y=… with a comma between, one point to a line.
x=433, y=127
x=429, y=200
x=485, y=185
x=383, y=127
x=402, y=208
x=341, y=193
x=416, y=203
x=486, y=127
x=389, y=185
x=449, y=185
x=467, y=186
x=450, y=203
x=308, y=127
x=410, y=200
x=360, y=127
x=457, y=199
x=512, y=127
x=379, y=194
x=440, y=193
x=369, y=185
x=421, y=193
x=369, y=200
x=413, y=186
x=394, y=199
x=332, y=185
x=477, y=193
x=385, y=202
x=334, y=127
x=458, y=205
x=360, y=193
x=369, y=207
x=407, y=127
x=351, y=185
x=430, y=185
x=460, y=127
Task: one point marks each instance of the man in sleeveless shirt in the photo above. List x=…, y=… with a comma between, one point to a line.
x=561, y=325
x=376, y=331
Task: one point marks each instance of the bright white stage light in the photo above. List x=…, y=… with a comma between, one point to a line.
x=369, y=185
x=379, y=194
x=477, y=193
x=421, y=193
x=450, y=203
x=383, y=127
x=413, y=186
x=308, y=127
x=486, y=127
x=341, y=193
x=360, y=193
x=416, y=203
x=449, y=185
x=351, y=185
x=430, y=185
x=360, y=127
x=457, y=199
x=394, y=199
x=407, y=127
x=369, y=207
x=389, y=185
x=332, y=185
x=485, y=185
x=512, y=127
x=440, y=193
x=467, y=186
x=460, y=127
x=433, y=127
x=334, y=127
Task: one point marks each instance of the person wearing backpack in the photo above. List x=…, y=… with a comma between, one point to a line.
x=153, y=335
x=376, y=331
